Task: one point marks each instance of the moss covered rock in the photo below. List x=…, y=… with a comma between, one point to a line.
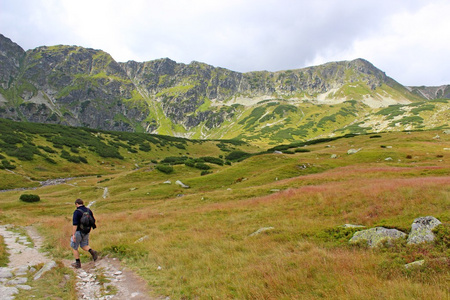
x=376, y=236
x=422, y=230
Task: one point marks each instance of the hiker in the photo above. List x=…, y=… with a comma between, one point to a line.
x=83, y=221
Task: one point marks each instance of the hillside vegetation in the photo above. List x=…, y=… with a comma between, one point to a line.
x=76, y=86
x=198, y=242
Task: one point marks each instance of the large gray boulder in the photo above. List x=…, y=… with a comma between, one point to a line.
x=421, y=230
x=375, y=236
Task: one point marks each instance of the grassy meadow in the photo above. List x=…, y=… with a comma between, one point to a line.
x=198, y=243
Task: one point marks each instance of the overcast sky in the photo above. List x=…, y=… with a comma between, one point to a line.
x=408, y=39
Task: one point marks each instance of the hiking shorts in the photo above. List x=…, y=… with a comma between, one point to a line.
x=81, y=240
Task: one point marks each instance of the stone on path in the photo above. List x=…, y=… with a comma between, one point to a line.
x=47, y=267
x=7, y=292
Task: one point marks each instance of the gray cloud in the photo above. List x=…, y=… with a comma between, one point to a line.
x=246, y=35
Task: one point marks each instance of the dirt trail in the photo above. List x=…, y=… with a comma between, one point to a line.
x=103, y=279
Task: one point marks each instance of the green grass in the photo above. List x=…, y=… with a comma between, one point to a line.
x=4, y=259
x=200, y=236
x=58, y=283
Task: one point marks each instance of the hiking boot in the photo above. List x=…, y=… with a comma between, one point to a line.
x=94, y=255
x=76, y=265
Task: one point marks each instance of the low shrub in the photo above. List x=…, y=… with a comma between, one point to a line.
x=212, y=160
x=202, y=166
x=7, y=165
x=174, y=160
x=165, y=169
x=442, y=236
x=237, y=155
x=29, y=198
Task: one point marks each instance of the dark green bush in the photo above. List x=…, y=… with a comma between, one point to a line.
x=47, y=149
x=190, y=163
x=145, y=147
x=29, y=198
x=23, y=153
x=212, y=160
x=50, y=160
x=237, y=155
x=165, y=168
x=7, y=165
x=174, y=160
x=302, y=150
x=202, y=166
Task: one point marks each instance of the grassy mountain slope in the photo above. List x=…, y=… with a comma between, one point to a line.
x=85, y=87
x=197, y=243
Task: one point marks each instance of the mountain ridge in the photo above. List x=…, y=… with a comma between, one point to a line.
x=79, y=86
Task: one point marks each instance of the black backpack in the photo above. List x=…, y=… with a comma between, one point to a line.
x=86, y=222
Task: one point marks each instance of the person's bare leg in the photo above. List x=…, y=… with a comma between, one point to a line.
x=91, y=251
x=76, y=254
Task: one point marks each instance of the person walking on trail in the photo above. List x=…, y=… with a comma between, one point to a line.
x=83, y=221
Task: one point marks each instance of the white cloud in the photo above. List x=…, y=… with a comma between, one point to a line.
x=411, y=46
x=405, y=38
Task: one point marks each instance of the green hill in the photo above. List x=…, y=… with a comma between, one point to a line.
x=197, y=242
x=76, y=86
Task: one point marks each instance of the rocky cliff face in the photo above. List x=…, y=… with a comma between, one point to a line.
x=86, y=87
x=431, y=92
x=69, y=85
x=11, y=57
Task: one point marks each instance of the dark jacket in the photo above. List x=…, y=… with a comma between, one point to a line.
x=77, y=214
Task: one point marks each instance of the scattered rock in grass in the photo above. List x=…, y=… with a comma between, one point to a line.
x=415, y=264
x=133, y=189
x=47, y=267
x=388, y=158
x=178, y=182
x=353, y=151
x=167, y=182
x=446, y=131
x=375, y=236
x=277, y=152
x=261, y=230
x=421, y=230
x=145, y=237
x=333, y=156
x=353, y=226
x=437, y=137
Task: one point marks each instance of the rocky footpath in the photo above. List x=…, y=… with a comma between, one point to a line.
x=23, y=256
x=107, y=279
x=104, y=279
